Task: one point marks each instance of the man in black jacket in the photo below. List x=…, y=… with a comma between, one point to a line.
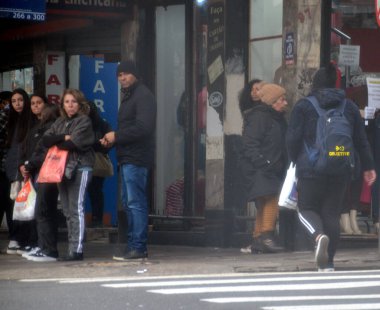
x=134, y=141
x=320, y=195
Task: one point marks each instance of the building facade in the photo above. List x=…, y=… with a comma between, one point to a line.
x=196, y=56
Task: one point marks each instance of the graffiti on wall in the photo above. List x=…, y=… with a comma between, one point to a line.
x=305, y=78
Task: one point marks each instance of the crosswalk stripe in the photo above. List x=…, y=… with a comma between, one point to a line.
x=234, y=281
x=195, y=276
x=327, y=307
x=226, y=300
x=261, y=288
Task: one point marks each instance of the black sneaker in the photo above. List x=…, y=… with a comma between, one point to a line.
x=321, y=255
x=72, y=256
x=24, y=249
x=328, y=268
x=132, y=254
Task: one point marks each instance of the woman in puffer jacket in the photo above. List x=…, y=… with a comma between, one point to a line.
x=264, y=162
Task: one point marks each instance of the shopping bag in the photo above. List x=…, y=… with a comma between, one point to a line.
x=15, y=188
x=25, y=203
x=289, y=196
x=103, y=166
x=53, y=168
x=365, y=195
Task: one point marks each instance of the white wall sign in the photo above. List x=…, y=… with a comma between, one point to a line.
x=349, y=55
x=55, y=75
x=373, y=85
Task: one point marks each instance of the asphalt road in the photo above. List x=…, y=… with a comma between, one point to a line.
x=268, y=291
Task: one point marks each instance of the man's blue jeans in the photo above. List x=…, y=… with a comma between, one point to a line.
x=134, y=200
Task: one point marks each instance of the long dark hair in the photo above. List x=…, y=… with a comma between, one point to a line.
x=245, y=99
x=20, y=121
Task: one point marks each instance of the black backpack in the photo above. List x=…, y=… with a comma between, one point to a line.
x=333, y=151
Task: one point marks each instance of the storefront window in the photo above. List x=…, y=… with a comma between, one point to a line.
x=265, y=38
x=354, y=25
x=22, y=78
x=170, y=86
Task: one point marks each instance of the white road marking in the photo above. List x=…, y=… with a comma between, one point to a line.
x=235, y=281
x=196, y=276
x=327, y=307
x=227, y=300
x=262, y=288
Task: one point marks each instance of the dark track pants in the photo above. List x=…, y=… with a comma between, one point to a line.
x=320, y=203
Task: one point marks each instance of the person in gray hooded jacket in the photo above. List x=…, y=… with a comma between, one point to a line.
x=73, y=132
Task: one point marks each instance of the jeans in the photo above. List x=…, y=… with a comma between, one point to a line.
x=135, y=204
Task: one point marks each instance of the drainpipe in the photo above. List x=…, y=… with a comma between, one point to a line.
x=348, y=42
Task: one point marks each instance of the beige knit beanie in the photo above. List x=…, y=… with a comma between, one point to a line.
x=269, y=93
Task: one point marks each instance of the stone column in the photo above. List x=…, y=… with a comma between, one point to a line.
x=302, y=23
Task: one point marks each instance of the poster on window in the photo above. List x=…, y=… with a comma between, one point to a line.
x=349, y=55
x=373, y=85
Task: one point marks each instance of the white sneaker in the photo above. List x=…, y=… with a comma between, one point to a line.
x=13, y=246
x=321, y=255
x=246, y=250
x=32, y=251
x=41, y=257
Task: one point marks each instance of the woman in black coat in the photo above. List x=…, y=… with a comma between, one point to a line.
x=47, y=193
x=20, y=120
x=264, y=161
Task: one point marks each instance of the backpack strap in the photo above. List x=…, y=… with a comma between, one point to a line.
x=316, y=105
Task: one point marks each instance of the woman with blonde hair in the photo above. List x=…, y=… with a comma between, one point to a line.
x=73, y=132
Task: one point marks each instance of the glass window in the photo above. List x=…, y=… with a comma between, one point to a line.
x=265, y=38
x=356, y=25
x=21, y=78
x=170, y=86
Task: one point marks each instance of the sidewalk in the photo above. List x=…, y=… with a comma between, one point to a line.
x=176, y=260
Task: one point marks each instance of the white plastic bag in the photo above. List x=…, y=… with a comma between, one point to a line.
x=15, y=188
x=25, y=203
x=289, y=197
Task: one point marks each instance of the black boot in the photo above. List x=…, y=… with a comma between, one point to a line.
x=268, y=243
x=256, y=247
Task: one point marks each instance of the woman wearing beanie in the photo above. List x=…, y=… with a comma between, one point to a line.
x=264, y=162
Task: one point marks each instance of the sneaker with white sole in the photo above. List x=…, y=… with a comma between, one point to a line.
x=32, y=251
x=13, y=246
x=329, y=268
x=24, y=249
x=246, y=250
x=39, y=256
x=321, y=255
